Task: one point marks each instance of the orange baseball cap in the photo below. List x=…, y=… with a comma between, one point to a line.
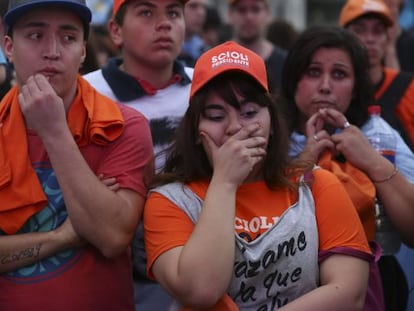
x=118, y=3
x=354, y=9
x=228, y=56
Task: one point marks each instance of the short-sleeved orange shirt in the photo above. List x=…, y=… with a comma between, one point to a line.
x=257, y=208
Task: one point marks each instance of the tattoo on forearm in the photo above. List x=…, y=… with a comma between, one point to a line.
x=31, y=252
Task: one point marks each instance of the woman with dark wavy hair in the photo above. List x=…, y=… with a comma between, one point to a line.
x=233, y=223
x=326, y=92
x=300, y=57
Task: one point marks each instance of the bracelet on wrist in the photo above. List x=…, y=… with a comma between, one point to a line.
x=394, y=172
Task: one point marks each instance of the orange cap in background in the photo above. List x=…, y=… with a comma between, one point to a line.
x=354, y=9
x=118, y=3
x=228, y=56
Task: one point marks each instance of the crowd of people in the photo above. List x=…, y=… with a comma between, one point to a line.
x=169, y=160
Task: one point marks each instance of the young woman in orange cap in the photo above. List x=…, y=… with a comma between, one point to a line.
x=232, y=224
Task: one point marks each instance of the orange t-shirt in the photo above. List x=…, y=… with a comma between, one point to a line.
x=167, y=226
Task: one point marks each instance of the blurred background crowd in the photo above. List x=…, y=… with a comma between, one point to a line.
x=212, y=25
x=209, y=23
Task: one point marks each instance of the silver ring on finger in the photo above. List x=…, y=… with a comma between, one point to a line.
x=346, y=125
x=315, y=137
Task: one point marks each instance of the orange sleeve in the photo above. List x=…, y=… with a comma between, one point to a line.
x=337, y=219
x=166, y=226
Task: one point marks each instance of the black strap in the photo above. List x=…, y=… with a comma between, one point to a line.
x=389, y=101
x=394, y=284
x=6, y=85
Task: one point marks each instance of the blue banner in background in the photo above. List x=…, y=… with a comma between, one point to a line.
x=407, y=15
x=101, y=11
x=2, y=57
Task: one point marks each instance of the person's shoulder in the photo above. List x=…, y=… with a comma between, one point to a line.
x=129, y=113
x=276, y=58
x=95, y=78
x=93, y=75
x=189, y=71
x=390, y=72
x=319, y=178
x=405, y=77
x=409, y=76
x=135, y=125
x=100, y=83
x=323, y=176
x=278, y=51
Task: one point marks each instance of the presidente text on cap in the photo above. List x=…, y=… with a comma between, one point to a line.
x=19, y=7
x=354, y=9
x=118, y=3
x=228, y=56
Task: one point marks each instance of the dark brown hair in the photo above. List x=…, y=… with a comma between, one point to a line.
x=186, y=159
x=298, y=61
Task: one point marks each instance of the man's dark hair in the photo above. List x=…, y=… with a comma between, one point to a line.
x=3, y=7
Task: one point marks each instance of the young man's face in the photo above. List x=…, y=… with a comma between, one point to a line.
x=250, y=19
x=152, y=31
x=372, y=32
x=195, y=14
x=49, y=42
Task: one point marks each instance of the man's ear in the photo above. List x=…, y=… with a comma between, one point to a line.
x=8, y=48
x=115, y=32
x=83, y=56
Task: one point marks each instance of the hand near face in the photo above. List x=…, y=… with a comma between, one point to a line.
x=236, y=158
x=43, y=110
x=318, y=139
x=350, y=141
